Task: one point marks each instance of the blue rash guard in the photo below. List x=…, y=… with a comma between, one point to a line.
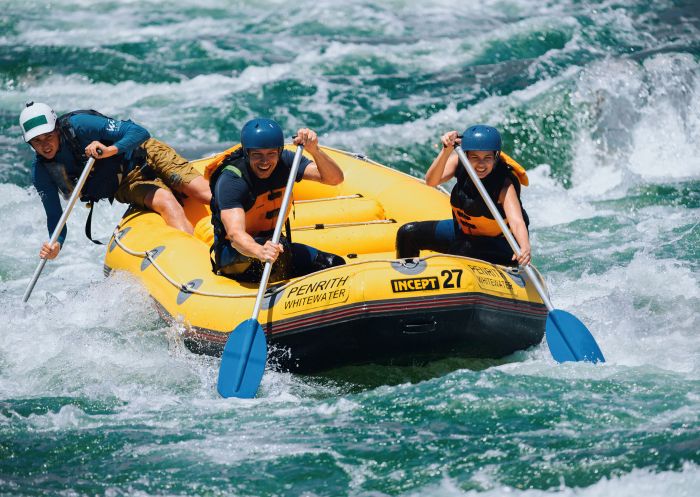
x=125, y=135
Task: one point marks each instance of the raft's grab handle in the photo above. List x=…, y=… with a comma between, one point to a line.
x=419, y=326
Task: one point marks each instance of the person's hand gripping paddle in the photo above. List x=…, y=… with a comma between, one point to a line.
x=567, y=337
x=245, y=352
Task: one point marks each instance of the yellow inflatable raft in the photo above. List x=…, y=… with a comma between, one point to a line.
x=374, y=309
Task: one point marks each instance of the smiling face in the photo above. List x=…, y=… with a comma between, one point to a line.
x=46, y=145
x=263, y=161
x=482, y=161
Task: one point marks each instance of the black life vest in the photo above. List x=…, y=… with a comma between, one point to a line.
x=236, y=163
x=469, y=210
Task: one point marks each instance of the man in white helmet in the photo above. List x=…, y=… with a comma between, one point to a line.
x=131, y=167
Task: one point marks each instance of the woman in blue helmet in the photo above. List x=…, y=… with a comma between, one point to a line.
x=247, y=188
x=472, y=231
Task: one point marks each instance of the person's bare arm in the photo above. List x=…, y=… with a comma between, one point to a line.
x=234, y=224
x=323, y=169
x=514, y=214
x=445, y=164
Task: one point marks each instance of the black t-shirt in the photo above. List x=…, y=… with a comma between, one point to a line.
x=232, y=191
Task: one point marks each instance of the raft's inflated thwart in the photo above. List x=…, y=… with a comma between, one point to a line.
x=374, y=309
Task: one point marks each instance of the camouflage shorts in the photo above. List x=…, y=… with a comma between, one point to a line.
x=164, y=168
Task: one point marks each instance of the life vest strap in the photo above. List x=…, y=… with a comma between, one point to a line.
x=88, y=225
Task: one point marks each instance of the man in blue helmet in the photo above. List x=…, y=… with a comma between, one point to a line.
x=131, y=167
x=247, y=188
x=472, y=231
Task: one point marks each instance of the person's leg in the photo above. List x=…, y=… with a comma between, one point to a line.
x=175, y=171
x=198, y=189
x=232, y=264
x=139, y=190
x=437, y=236
x=306, y=259
x=164, y=203
x=492, y=249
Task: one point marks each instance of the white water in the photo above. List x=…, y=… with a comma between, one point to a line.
x=640, y=481
x=631, y=283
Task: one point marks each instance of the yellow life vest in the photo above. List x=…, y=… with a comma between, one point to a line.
x=519, y=170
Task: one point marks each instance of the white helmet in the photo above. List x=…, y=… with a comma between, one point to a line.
x=36, y=119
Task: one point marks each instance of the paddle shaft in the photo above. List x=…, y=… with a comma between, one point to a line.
x=502, y=224
x=61, y=223
x=248, y=340
x=278, y=228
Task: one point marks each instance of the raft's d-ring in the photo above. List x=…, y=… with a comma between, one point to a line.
x=409, y=266
x=186, y=290
x=151, y=256
x=118, y=236
x=515, y=275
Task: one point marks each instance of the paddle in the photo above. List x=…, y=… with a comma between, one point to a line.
x=62, y=222
x=567, y=337
x=245, y=352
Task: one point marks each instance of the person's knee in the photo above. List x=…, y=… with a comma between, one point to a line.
x=164, y=203
x=408, y=230
x=242, y=269
x=309, y=259
x=325, y=260
x=199, y=189
x=406, y=240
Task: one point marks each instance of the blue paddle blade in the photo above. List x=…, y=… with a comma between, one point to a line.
x=569, y=339
x=243, y=361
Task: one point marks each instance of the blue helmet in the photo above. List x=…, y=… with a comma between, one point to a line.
x=481, y=137
x=261, y=133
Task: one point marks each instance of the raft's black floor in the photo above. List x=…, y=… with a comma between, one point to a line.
x=400, y=337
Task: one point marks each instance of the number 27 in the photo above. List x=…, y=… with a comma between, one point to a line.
x=449, y=274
